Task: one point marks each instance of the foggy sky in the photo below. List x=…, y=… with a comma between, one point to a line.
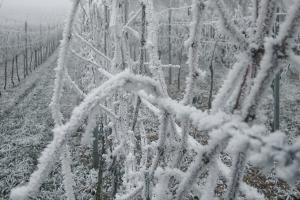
x=35, y=11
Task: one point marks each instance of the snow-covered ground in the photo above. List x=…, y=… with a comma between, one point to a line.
x=25, y=127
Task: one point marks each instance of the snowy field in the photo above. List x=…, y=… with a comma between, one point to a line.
x=150, y=99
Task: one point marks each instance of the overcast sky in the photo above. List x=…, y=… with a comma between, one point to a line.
x=35, y=11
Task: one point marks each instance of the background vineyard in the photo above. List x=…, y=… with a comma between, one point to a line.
x=23, y=48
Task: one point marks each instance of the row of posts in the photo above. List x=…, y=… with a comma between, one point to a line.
x=32, y=56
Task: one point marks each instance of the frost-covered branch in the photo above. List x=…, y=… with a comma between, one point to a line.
x=173, y=9
x=133, y=18
x=170, y=66
x=133, y=32
x=99, y=67
x=229, y=96
x=62, y=61
x=25, y=192
x=239, y=161
x=270, y=64
x=227, y=24
x=192, y=43
x=93, y=48
x=67, y=173
x=255, y=10
x=203, y=160
x=265, y=20
x=197, y=13
x=74, y=86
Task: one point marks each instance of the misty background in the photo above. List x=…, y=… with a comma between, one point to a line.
x=35, y=11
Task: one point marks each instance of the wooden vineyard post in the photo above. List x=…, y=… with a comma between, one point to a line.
x=5, y=74
x=17, y=68
x=41, y=47
x=211, y=69
x=276, y=86
x=26, y=51
x=30, y=63
x=106, y=29
x=179, y=70
x=12, y=72
x=35, y=59
x=170, y=41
